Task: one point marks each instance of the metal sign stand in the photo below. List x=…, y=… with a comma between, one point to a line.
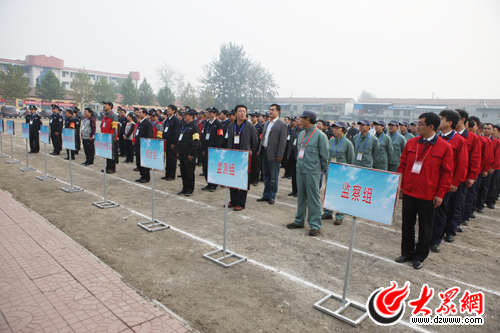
x=106, y=203
x=225, y=253
x=72, y=188
x=27, y=168
x=345, y=302
x=46, y=176
x=154, y=224
x=1, y=147
x=12, y=160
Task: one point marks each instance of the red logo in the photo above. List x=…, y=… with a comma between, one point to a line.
x=386, y=306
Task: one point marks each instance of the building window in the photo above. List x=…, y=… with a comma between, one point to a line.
x=72, y=74
x=27, y=70
x=92, y=76
x=296, y=108
x=65, y=74
x=485, y=114
x=407, y=113
x=395, y=112
x=66, y=85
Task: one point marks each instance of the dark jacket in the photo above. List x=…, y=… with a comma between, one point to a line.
x=290, y=144
x=276, y=141
x=35, y=122
x=216, y=134
x=171, y=130
x=56, y=122
x=248, y=137
x=225, y=126
x=351, y=133
x=145, y=131
x=189, y=142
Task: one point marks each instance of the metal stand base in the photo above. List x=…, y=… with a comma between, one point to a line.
x=338, y=313
x=12, y=161
x=105, y=204
x=3, y=155
x=46, y=177
x=27, y=169
x=72, y=189
x=153, y=225
x=229, y=254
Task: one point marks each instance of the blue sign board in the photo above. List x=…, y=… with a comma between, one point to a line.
x=44, y=134
x=228, y=167
x=1, y=125
x=26, y=130
x=104, y=145
x=10, y=127
x=152, y=154
x=361, y=192
x=69, y=138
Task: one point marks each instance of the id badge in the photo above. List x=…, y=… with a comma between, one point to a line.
x=360, y=157
x=207, y=136
x=136, y=132
x=103, y=124
x=417, y=166
x=334, y=159
x=295, y=142
x=301, y=153
x=50, y=122
x=225, y=136
x=288, y=137
x=180, y=136
x=165, y=130
x=31, y=122
x=236, y=139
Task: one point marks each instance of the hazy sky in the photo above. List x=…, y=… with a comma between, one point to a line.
x=314, y=48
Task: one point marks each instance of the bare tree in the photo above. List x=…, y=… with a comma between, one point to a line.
x=364, y=95
x=171, y=78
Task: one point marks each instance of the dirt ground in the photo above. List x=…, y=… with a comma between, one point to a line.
x=287, y=270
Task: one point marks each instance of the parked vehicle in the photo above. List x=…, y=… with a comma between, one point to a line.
x=9, y=111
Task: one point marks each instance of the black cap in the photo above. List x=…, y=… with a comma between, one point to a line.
x=364, y=122
x=69, y=110
x=224, y=112
x=120, y=108
x=109, y=103
x=191, y=112
x=267, y=114
x=152, y=112
x=414, y=123
x=379, y=122
x=340, y=123
x=32, y=107
x=53, y=106
x=308, y=114
x=394, y=122
x=76, y=109
x=293, y=119
x=232, y=112
x=165, y=111
x=255, y=114
x=404, y=123
x=212, y=109
x=136, y=109
x=202, y=112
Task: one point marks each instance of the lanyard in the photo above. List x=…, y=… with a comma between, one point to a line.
x=331, y=151
x=365, y=142
x=395, y=135
x=378, y=140
x=211, y=125
x=451, y=137
x=241, y=129
x=169, y=121
x=406, y=134
x=308, y=138
x=225, y=122
x=270, y=128
x=184, y=129
x=416, y=155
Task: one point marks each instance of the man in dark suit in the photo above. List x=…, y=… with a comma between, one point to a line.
x=171, y=130
x=256, y=162
x=144, y=130
x=242, y=135
x=271, y=150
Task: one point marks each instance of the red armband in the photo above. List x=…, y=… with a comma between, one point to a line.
x=220, y=132
x=260, y=136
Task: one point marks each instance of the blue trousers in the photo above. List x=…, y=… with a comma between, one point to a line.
x=482, y=191
x=470, y=201
x=270, y=171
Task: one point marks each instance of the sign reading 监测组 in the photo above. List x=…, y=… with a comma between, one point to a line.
x=69, y=138
x=361, y=192
x=25, y=130
x=44, y=134
x=10, y=127
x=228, y=167
x=104, y=145
x=152, y=154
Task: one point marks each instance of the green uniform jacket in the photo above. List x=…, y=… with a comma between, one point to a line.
x=344, y=153
x=398, y=143
x=385, y=152
x=408, y=136
x=370, y=152
x=315, y=153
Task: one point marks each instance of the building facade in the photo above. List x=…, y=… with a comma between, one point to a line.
x=330, y=109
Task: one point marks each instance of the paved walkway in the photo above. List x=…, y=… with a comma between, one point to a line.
x=49, y=284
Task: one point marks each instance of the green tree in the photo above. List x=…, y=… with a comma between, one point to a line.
x=129, y=92
x=104, y=91
x=189, y=96
x=364, y=95
x=206, y=98
x=165, y=97
x=83, y=90
x=233, y=79
x=146, y=93
x=50, y=88
x=13, y=84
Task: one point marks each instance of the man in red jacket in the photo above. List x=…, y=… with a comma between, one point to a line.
x=426, y=166
x=484, y=186
x=444, y=221
x=495, y=165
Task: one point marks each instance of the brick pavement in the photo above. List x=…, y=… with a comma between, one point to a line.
x=49, y=284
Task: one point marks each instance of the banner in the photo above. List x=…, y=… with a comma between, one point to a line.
x=152, y=154
x=228, y=167
x=44, y=134
x=25, y=130
x=104, y=145
x=69, y=138
x=40, y=103
x=10, y=127
x=361, y=192
x=1, y=125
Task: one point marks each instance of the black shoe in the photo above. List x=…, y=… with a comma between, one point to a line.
x=271, y=201
x=54, y=153
x=138, y=180
x=472, y=215
x=110, y=171
x=263, y=199
x=169, y=179
x=491, y=206
x=284, y=176
x=435, y=248
x=213, y=188
x=179, y=176
x=479, y=210
x=142, y=181
x=66, y=158
x=261, y=180
x=164, y=177
x=202, y=175
x=291, y=194
x=181, y=192
x=84, y=163
x=206, y=188
x=417, y=264
x=402, y=259
x=465, y=223
x=459, y=229
x=449, y=238
x=31, y=152
x=136, y=169
x=290, y=177
x=187, y=194
x=314, y=232
x=294, y=226
x=255, y=183
x=89, y=164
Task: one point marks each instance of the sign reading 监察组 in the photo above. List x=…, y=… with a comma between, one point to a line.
x=104, y=145
x=152, y=154
x=69, y=138
x=228, y=167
